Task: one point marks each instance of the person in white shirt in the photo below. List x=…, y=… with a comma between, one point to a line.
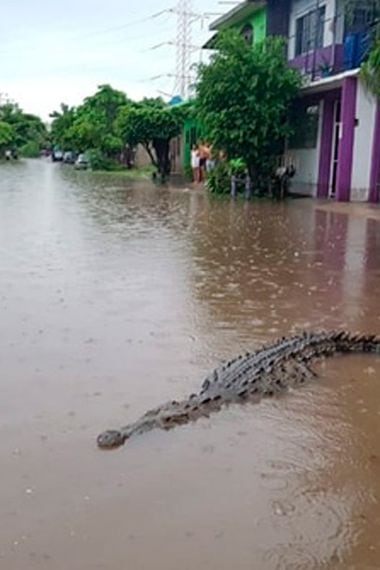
x=195, y=162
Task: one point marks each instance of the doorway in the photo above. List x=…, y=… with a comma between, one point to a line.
x=337, y=125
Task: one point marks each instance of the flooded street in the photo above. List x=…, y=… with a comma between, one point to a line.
x=116, y=296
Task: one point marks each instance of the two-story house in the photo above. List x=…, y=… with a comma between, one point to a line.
x=336, y=149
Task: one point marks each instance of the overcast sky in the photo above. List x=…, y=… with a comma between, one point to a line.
x=59, y=51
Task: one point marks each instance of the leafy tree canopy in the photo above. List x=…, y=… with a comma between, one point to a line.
x=243, y=98
x=26, y=128
x=108, y=123
x=92, y=124
x=61, y=124
x=6, y=135
x=370, y=70
x=152, y=124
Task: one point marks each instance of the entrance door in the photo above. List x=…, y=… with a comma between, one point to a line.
x=335, y=153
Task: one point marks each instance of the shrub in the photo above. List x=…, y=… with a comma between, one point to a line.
x=30, y=150
x=219, y=179
x=100, y=162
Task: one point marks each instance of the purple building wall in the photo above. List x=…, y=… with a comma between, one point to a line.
x=346, y=145
x=315, y=62
x=325, y=152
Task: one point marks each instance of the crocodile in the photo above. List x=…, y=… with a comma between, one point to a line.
x=271, y=370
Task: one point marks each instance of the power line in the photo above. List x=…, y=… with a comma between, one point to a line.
x=128, y=24
x=97, y=33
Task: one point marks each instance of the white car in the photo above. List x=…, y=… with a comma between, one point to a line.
x=81, y=162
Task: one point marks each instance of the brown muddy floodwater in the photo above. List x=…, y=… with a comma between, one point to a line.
x=117, y=296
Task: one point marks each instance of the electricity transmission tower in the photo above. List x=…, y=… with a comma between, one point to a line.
x=185, y=19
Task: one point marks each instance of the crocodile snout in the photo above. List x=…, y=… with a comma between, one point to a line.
x=110, y=439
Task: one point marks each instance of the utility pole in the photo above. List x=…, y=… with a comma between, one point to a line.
x=186, y=19
x=183, y=45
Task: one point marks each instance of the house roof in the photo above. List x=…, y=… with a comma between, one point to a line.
x=237, y=14
x=211, y=42
x=328, y=83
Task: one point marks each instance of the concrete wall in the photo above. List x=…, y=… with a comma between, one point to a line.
x=142, y=157
x=364, y=132
x=339, y=26
x=278, y=17
x=177, y=148
x=259, y=25
x=258, y=21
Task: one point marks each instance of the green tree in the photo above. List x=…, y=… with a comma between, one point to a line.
x=27, y=129
x=243, y=98
x=6, y=136
x=152, y=124
x=91, y=126
x=61, y=124
x=94, y=123
x=370, y=70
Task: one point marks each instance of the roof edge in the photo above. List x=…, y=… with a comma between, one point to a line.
x=232, y=16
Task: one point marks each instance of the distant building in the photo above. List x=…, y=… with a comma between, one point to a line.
x=337, y=152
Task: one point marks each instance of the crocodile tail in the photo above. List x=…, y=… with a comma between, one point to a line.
x=348, y=342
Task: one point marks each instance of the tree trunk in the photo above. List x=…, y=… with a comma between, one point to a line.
x=162, y=150
x=150, y=153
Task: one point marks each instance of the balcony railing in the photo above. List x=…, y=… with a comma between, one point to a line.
x=333, y=59
x=320, y=62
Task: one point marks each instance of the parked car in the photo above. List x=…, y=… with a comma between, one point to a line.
x=57, y=155
x=69, y=157
x=82, y=162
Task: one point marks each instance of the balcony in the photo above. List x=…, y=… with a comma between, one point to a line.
x=333, y=59
x=321, y=62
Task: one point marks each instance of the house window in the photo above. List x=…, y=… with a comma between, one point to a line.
x=310, y=31
x=304, y=121
x=362, y=18
x=247, y=33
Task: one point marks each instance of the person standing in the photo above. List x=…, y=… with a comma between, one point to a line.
x=195, y=163
x=203, y=155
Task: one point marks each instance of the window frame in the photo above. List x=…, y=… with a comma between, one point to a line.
x=310, y=31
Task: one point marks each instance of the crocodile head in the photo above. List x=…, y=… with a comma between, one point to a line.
x=111, y=439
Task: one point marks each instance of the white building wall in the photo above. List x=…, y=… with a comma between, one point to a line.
x=339, y=24
x=364, y=133
x=300, y=8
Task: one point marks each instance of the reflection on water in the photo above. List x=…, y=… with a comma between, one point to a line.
x=116, y=296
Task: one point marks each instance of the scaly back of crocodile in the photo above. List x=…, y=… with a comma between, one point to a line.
x=273, y=368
